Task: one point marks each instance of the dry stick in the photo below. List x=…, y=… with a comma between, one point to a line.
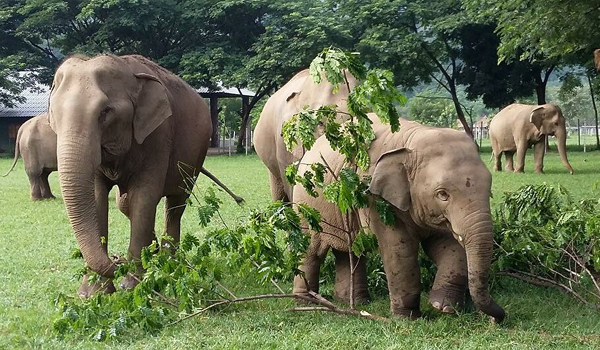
x=225, y=289
x=272, y=280
x=578, y=262
x=314, y=299
x=545, y=282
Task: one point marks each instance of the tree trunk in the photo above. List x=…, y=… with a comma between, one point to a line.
x=595, y=110
x=459, y=111
x=244, y=126
x=540, y=90
x=214, y=116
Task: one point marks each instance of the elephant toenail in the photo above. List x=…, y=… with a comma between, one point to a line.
x=437, y=305
x=448, y=309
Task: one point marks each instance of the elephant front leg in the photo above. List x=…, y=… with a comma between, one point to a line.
x=497, y=161
x=539, y=150
x=142, y=214
x=101, y=284
x=399, y=252
x=521, y=153
x=450, y=283
x=342, y=278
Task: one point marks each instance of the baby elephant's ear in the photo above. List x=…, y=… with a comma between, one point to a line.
x=390, y=178
x=152, y=106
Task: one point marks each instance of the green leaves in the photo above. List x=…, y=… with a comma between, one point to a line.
x=349, y=191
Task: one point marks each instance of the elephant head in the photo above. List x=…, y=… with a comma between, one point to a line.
x=549, y=120
x=445, y=187
x=100, y=108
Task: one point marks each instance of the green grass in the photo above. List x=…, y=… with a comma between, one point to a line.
x=36, y=242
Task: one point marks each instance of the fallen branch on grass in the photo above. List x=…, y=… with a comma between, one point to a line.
x=313, y=298
x=546, y=282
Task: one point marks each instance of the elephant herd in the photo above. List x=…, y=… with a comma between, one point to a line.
x=124, y=121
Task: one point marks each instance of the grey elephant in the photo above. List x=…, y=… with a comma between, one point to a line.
x=124, y=121
x=439, y=191
x=519, y=126
x=36, y=144
x=299, y=92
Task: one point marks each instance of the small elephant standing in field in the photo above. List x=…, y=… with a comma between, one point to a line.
x=518, y=127
x=36, y=144
x=299, y=92
x=128, y=122
x=439, y=191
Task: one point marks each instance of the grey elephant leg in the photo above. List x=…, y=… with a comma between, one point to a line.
x=142, y=214
x=399, y=250
x=36, y=190
x=277, y=188
x=174, y=208
x=45, y=185
x=497, y=161
x=521, y=153
x=342, y=278
x=509, y=161
x=122, y=203
x=311, y=265
x=103, y=285
x=450, y=283
x=539, y=152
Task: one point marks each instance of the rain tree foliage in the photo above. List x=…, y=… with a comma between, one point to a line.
x=417, y=40
x=428, y=107
x=545, y=237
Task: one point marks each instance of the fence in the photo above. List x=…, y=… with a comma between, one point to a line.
x=228, y=142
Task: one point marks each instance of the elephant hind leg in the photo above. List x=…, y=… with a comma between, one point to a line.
x=450, y=282
x=36, y=189
x=311, y=265
x=174, y=208
x=342, y=278
x=509, y=161
x=497, y=161
x=45, y=186
x=277, y=188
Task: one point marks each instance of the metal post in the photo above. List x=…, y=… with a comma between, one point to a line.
x=578, y=133
x=230, y=144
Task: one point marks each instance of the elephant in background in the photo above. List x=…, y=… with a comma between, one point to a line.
x=290, y=99
x=439, y=191
x=124, y=121
x=518, y=127
x=36, y=144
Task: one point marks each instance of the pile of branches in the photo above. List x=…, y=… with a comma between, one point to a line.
x=546, y=238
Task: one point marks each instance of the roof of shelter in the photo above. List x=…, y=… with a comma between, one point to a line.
x=35, y=103
x=36, y=99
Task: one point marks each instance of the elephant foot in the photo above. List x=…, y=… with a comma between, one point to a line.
x=538, y=171
x=519, y=171
x=406, y=313
x=446, y=301
x=102, y=285
x=129, y=282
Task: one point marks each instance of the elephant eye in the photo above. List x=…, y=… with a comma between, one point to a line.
x=104, y=113
x=442, y=195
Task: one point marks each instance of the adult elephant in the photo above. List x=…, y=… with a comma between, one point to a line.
x=519, y=126
x=439, y=191
x=128, y=122
x=300, y=92
x=36, y=144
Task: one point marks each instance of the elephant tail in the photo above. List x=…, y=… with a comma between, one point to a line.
x=17, y=153
x=238, y=199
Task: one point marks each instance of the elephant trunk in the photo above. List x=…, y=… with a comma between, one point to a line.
x=561, y=140
x=78, y=161
x=479, y=243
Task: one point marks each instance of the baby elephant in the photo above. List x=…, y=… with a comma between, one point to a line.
x=36, y=143
x=439, y=191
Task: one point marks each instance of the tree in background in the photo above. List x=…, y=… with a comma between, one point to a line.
x=428, y=107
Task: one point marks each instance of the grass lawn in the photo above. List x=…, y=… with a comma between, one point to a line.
x=36, y=242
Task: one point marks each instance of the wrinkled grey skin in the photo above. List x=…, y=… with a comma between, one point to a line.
x=301, y=91
x=36, y=144
x=439, y=191
x=128, y=122
x=517, y=127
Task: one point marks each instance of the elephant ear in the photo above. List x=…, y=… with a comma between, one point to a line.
x=152, y=106
x=537, y=117
x=390, y=178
